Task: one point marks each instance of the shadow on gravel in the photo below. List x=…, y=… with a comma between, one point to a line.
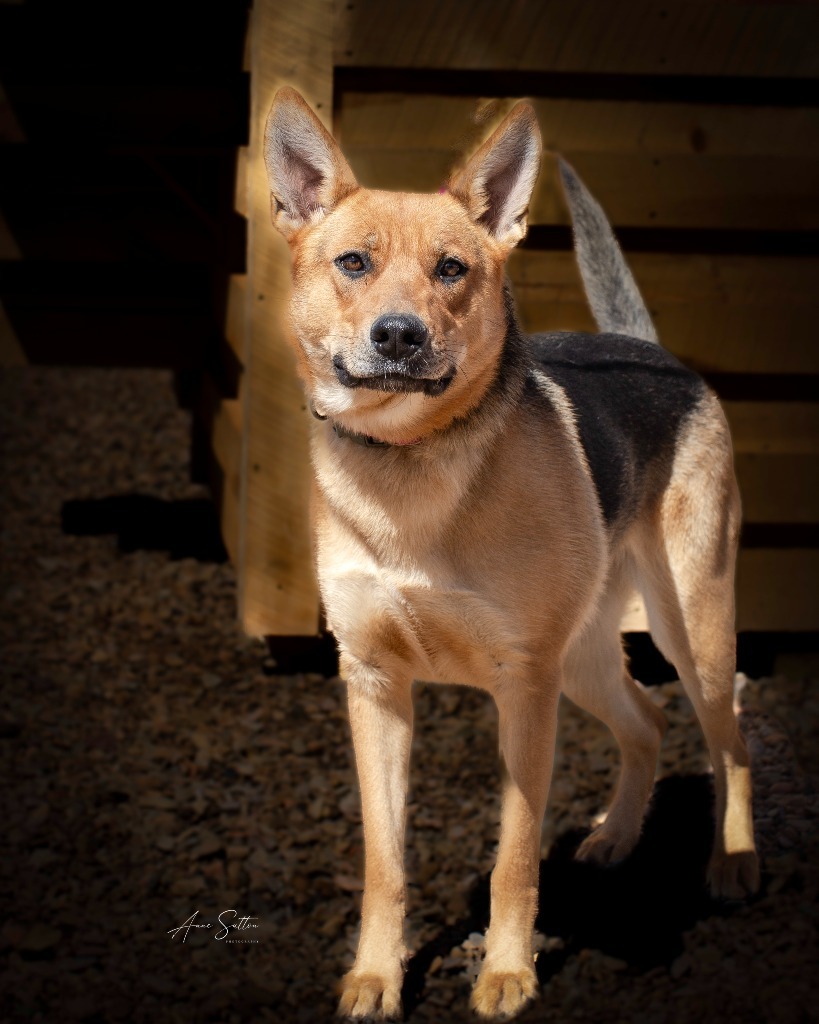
x=185, y=529
x=635, y=911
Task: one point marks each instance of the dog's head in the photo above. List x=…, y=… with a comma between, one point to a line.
x=398, y=304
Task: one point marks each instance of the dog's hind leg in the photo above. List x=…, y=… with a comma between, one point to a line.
x=527, y=713
x=597, y=679
x=686, y=558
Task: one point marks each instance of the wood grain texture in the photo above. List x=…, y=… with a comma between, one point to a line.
x=649, y=164
x=778, y=488
x=290, y=45
x=622, y=36
x=779, y=428
x=452, y=124
x=776, y=590
x=718, y=314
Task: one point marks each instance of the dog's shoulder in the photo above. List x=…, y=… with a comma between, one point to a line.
x=630, y=399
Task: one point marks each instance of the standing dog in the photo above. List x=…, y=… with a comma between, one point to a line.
x=485, y=503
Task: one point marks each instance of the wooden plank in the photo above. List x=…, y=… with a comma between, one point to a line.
x=637, y=189
x=776, y=590
x=781, y=428
x=450, y=124
x=778, y=488
x=719, y=314
x=649, y=164
x=290, y=45
x=236, y=316
x=621, y=36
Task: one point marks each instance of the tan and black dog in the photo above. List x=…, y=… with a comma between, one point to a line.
x=485, y=503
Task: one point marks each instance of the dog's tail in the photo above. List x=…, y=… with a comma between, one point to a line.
x=611, y=290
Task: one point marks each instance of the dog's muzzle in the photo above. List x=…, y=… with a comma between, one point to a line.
x=399, y=361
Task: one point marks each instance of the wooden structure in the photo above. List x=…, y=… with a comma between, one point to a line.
x=697, y=127
x=694, y=123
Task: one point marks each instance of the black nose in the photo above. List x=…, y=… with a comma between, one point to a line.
x=398, y=335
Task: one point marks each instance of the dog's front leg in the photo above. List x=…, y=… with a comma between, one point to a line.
x=381, y=721
x=527, y=722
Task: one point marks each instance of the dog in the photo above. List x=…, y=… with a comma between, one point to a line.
x=484, y=505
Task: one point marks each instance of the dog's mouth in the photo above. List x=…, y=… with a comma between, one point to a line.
x=394, y=379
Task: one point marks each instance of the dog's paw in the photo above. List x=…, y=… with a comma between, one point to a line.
x=500, y=995
x=370, y=995
x=733, y=876
x=606, y=846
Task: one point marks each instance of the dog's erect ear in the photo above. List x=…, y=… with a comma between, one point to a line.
x=305, y=169
x=496, y=184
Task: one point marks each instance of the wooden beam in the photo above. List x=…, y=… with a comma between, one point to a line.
x=719, y=314
x=778, y=488
x=449, y=124
x=619, y=36
x=778, y=428
x=650, y=164
x=290, y=45
x=776, y=591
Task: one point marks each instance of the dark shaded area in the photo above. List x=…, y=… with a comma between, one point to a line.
x=573, y=85
x=635, y=911
x=289, y=655
x=764, y=387
x=713, y=241
x=756, y=654
x=185, y=529
x=126, y=251
x=645, y=661
x=780, y=535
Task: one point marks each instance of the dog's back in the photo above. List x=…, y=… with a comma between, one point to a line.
x=630, y=398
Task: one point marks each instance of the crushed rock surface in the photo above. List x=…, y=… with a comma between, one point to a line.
x=157, y=776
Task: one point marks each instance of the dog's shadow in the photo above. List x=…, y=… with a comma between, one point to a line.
x=635, y=911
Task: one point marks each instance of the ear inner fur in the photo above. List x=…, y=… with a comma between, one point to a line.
x=496, y=185
x=307, y=173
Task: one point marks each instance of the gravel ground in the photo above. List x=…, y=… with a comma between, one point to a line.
x=158, y=774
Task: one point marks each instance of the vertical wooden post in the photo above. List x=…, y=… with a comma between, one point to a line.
x=291, y=44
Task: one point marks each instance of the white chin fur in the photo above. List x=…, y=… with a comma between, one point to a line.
x=371, y=412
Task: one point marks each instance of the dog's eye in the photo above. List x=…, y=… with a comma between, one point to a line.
x=450, y=268
x=351, y=263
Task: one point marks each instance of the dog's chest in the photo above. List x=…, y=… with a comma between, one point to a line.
x=399, y=507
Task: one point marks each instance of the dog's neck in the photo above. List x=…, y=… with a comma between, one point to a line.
x=363, y=439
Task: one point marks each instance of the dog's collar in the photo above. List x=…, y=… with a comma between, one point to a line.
x=363, y=439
